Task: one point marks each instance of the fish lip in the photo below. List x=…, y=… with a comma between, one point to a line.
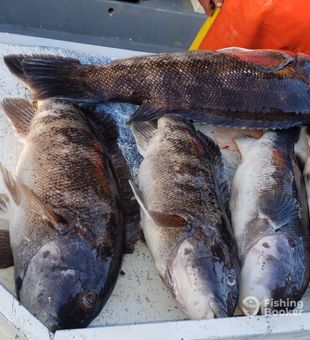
x=218, y=308
x=51, y=323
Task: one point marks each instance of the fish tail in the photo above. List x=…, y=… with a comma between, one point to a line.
x=14, y=64
x=50, y=76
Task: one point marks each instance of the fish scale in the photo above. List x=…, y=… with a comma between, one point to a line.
x=66, y=225
x=183, y=217
x=270, y=222
x=236, y=88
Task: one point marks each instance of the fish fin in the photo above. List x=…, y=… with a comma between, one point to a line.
x=147, y=111
x=224, y=118
x=104, y=125
x=143, y=133
x=138, y=196
x=53, y=77
x=19, y=190
x=107, y=132
x=4, y=206
x=265, y=60
x=160, y=219
x=167, y=220
x=6, y=256
x=245, y=143
x=14, y=64
x=41, y=208
x=280, y=209
x=130, y=206
x=215, y=155
x=20, y=113
x=10, y=184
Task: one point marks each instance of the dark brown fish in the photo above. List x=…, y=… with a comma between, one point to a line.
x=64, y=209
x=234, y=87
x=183, y=198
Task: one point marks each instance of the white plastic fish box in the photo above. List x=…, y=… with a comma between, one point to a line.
x=140, y=306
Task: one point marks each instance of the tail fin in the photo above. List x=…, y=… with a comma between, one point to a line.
x=14, y=64
x=48, y=76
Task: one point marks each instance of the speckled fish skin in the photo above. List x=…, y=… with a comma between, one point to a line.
x=234, y=88
x=184, y=221
x=64, y=276
x=270, y=222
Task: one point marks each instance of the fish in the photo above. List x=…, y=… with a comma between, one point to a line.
x=270, y=220
x=67, y=234
x=239, y=88
x=183, y=200
x=303, y=156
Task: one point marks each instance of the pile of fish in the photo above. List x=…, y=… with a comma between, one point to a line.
x=71, y=210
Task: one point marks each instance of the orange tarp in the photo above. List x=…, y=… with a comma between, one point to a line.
x=266, y=24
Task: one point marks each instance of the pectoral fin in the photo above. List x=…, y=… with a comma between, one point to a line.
x=19, y=191
x=138, y=196
x=279, y=208
x=20, y=113
x=159, y=218
x=6, y=256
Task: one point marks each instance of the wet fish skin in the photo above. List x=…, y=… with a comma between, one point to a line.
x=270, y=222
x=183, y=217
x=65, y=269
x=235, y=88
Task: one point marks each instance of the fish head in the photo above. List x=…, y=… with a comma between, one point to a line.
x=63, y=283
x=272, y=275
x=204, y=281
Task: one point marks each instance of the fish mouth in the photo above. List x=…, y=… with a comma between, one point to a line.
x=51, y=323
x=218, y=308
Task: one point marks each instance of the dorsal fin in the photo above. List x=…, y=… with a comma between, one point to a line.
x=143, y=132
x=20, y=113
x=215, y=155
x=107, y=133
x=19, y=191
x=104, y=125
x=265, y=60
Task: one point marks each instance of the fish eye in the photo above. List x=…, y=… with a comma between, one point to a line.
x=231, y=280
x=89, y=300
